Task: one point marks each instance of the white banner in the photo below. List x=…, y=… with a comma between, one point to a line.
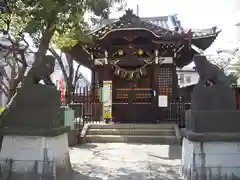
x=162, y=101
x=107, y=99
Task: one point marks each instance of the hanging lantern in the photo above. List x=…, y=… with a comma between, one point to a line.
x=120, y=52
x=140, y=52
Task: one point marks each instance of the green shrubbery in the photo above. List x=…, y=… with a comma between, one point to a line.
x=1, y=109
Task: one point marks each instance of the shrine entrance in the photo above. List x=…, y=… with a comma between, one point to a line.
x=133, y=100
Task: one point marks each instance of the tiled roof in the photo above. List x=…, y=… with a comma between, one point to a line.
x=161, y=21
x=163, y=28
x=204, y=32
x=171, y=23
x=160, y=27
x=167, y=22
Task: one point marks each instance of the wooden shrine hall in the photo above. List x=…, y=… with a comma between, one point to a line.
x=139, y=59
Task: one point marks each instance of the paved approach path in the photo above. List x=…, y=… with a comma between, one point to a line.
x=119, y=161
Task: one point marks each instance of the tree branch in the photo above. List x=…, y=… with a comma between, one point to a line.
x=5, y=89
x=59, y=59
x=77, y=76
x=70, y=66
x=44, y=42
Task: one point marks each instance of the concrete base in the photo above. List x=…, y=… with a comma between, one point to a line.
x=210, y=160
x=35, y=157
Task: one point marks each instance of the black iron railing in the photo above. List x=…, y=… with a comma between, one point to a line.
x=177, y=112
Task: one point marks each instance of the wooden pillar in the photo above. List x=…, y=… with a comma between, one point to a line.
x=155, y=86
x=95, y=84
x=96, y=106
x=175, y=93
x=107, y=72
x=155, y=72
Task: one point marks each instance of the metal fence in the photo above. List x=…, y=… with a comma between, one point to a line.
x=88, y=108
x=212, y=173
x=27, y=170
x=86, y=103
x=176, y=112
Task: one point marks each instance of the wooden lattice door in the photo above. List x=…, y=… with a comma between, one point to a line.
x=132, y=100
x=165, y=81
x=165, y=87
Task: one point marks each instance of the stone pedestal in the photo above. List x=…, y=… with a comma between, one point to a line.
x=211, y=145
x=33, y=157
x=34, y=138
x=211, y=140
x=213, y=160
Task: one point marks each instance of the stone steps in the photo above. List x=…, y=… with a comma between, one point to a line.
x=131, y=126
x=143, y=132
x=131, y=133
x=131, y=139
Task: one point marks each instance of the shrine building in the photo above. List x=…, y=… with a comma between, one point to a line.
x=134, y=61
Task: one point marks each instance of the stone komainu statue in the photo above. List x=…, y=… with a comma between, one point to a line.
x=213, y=91
x=41, y=72
x=34, y=104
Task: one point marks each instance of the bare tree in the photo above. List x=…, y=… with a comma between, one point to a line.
x=15, y=59
x=14, y=55
x=228, y=61
x=71, y=75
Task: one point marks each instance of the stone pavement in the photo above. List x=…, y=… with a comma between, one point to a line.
x=119, y=161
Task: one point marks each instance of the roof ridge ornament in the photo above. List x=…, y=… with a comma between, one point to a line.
x=129, y=16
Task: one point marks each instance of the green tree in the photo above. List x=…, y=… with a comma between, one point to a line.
x=44, y=18
x=53, y=21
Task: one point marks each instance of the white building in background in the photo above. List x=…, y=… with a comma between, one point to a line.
x=187, y=76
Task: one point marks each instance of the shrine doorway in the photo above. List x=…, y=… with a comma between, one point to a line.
x=133, y=101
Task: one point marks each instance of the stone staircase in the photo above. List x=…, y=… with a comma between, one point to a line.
x=132, y=133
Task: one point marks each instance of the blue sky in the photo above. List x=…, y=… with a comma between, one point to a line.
x=193, y=14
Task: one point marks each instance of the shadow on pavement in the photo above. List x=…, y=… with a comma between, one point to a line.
x=101, y=165
x=85, y=146
x=155, y=171
x=78, y=176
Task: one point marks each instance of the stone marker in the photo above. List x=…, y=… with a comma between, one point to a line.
x=211, y=139
x=34, y=140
